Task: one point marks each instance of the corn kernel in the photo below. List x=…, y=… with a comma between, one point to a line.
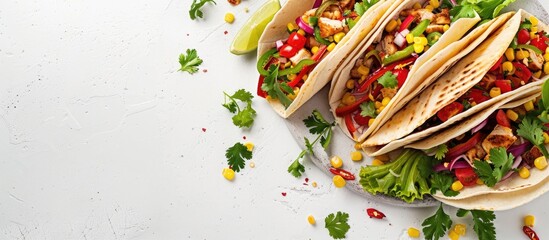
x=480, y=181
x=457, y=186
x=294, y=95
x=348, y=99
x=301, y=32
x=291, y=76
x=418, y=48
x=350, y=84
x=534, y=21
x=417, y=5
x=385, y=101
x=305, y=77
x=460, y=229
x=429, y=8
x=339, y=36
x=314, y=184
x=494, y=92
x=529, y=106
x=336, y=162
x=358, y=146
x=291, y=27
x=545, y=138
x=228, y=174
x=533, y=35
x=534, y=29
x=363, y=70
x=380, y=109
x=510, y=54
x=540, y=163
x=524, y=172
x=452, y=235
x=378, y=104
x=383, y=158
x=356, y=156
x=331, y=38
x=546, y=50
x=229, y=17
x=377, y=162
x=521, y=54
x=434, y=3
x=546, y=68
x=507, y=67
x=249, y=146
x=420, y=40
x=391, y=25
x=314, y=50
x=413, y=232
x=512, y=115
x=546, y=57
x=371, y=122
x=339, y=181
x=446, y=27
x=529, y=220
x=311, y=220
x=537, y=74
x=409, y=38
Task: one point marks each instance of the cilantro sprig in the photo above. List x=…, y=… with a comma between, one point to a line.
x=190, y=62
x=502, y=163
x=388, y=80
x=276, y=89
x=443, y=182
x=531, y=128
x=362, y=7
x=483, y=223
x=439, y=151
x=236, y=156
x=196, y=6
x=435, y=227
x=368, y=109
x=244, y=117
x=319, y=126
x=337, y=224
x=486, y=9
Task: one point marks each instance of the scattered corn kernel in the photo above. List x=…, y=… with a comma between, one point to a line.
x=534, y=21
x=429, y=8
x=252, y=164
x=311, y=220
x=291, y=76
x=537, y=74
x=409, y=38
x=446, y=27
x=418, y=48
x=480, y=181
x=378, y=104
x=357, y=146
x=507, y=67
x=457, y=186
x=434, y=3
x=314, y=49
x=228, y=174
x=336, y=162
x=348, y=99
x=533, y=35
x=413, y=232
x=380, y=109
x=385, y=101
x=494, y=92
x=534, y=29
x=377, y=162
x=420, y=40
x=529, y=106
x=521, y=54
x=546, y=68
x=350, y=84
x=249, y=146
x=314, y=184
x=540, y=163
x=460, y=229
x=229, y=17
x=371, y=122
x=301, y=32
x=510, y=54
x=529, y=220
x=294, y=95
x=417, y=5
x=545, y=138
x=384, y=158
x=391, y=25
x=291, y=27
x=524, y=172
x=339, y=36
x=512, y=115
x=356, y=156
x=339, y=181
x=453, y=235
x=363, y=70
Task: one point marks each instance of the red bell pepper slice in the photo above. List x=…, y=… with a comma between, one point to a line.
x=464, y=147
x=377, y=90
x=346, y=110
x=260, y=91
x=523, y=36
x=522, y=72
x=377, y=74
x=402, y=75
x=406, y=23
x=477, y=95
x=344, y=174
x=296, y=40
x=540, y=42
x=501, y=119
x=287, y=51
x=530, y=233
x=497, y=65
x=466, y=176
x=350, y=125
x=373, y=213
x=361, y=120
x=318, y=55
x=449, y=111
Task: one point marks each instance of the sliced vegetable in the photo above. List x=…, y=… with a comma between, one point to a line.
x=433, y=38
x=531, y=47
x=303, y=25
x=380, y=72
x=449, y=111
x=373, y=213
x=523, y=36
x=504, y=85
x=406, y=23
x=464, y=147
x=402, y=54
x=466, y=176
x=262, y=65
x=522, y=71
x=296, y=40
x=501, y=119
x=288, y=51
x=420, y=28
x=344, y=174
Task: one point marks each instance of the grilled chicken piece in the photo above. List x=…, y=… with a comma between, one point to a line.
x=531, y=155
x=537, y=61
x=499, y=137
x=442, y=18
x=388, y=45
x=302, y=54
x=435, y=28
x=388, y=92
x=419, y=14
x=475, y=153
x=329, y=27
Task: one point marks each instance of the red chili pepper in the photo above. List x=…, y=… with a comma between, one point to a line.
x=497, y=65
x=522, y=72
x=260, y=91
x=344, y=174
x=342, y=111
x=402, y=75
x=350, y=125
x=406, y=23
x=449, y=111
x=504, y=85
x=502, y=119
x=523, y=36
x=464, y=147
x=306, y=69
x=296, y=40
x=530, y=233
x=377, y=74
x=361, y=120
x=373, y=213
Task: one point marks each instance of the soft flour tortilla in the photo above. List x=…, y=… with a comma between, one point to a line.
x=431, y=64
x=323, y=71
x=513, y=183
x=448, y=88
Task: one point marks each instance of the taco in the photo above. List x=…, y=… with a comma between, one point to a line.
x=414, y=45
x=504, y=64
x=305, y=42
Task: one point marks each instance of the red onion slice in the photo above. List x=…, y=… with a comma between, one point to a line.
x=319, y=2
x=306, y=27
x=479, y=127
x=518, y=150
x=453, y=165
x=399, y=40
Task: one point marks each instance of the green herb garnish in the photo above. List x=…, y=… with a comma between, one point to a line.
x=190, y=62
x=435, y=227
x=236, y=156
x=244, y=116
x=196, y=6
x=337, y=224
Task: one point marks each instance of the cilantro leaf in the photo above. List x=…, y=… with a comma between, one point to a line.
x=244, y=117
x=235, y=156
x=502, y=163
x=316, y=123
x=435, y=227
x=484, y=223
x=276, y=89
x=440, y=151
x=443, y=182
x=337, y=224
x=388, y=80
x=531, y=129
x=195, y=8
x=485, y=173
x=362, y=7
x=486, y=9
x=190, y=62
x=368, y=109
x=296, y=168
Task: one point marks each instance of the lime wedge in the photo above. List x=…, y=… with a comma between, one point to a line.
x=246, y=39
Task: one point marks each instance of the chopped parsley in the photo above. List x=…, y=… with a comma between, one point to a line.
x=244, y=116
x=388, y=80
x=337, y=224
x=502, y=163
x=236, y=156
x=196, y=6
x=484, y=223
x=368, y=109
x=435, y=227
x=443, y=182
x=190, y=62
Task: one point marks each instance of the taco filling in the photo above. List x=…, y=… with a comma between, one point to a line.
x=313, y=36
x=525, y=61
x=382, y=71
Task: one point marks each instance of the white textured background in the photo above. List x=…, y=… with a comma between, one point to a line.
x=100, y=136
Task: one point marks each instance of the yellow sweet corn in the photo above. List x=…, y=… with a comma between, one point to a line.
x=301, y=32
x=413, y=232
x=534, y=29
x=545, y=138
x=521, y=54
x=249, y=146
x=446, y=27
x=494, y=92
x=391, y=25
x=457, y=186
x=357, y=146
x=533, y=35
x=380, y=109
x=546, y=68
x=378, y=104
x=546, y=57
x=350, y=84
x=314, y=49
x=508, y=66
x=524, y=172
x=311, y=220
x=371, y=121
x=331, y=47
x=452, y=235
x=385, y=101
x=314, y=184
x=356, y=156
x=512, y=115
x=529, y=220
x=540, y=163
x=537, y=74
x=429, y=8
x=434, y=3
x=409, y=38
x=363, y=70
x=229, y=17
x=377, y=162
x=418, y=48
x=228, y=174
x=339, y=181
x=460, y=229
x=348, y=99
x=336, y=162
x=480, y=181
x=510, y=54
x=339, y=36
x=529, y=106
x=291, y=27
x=294, y=95
x=534, y=21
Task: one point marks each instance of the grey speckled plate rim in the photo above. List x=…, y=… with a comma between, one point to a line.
x=342, y=146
